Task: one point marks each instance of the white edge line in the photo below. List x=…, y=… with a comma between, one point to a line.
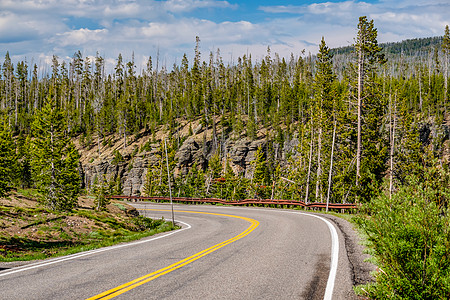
x=90, y=252
x=334, y=258
x=334, y=254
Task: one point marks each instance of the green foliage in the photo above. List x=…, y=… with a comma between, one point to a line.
x=8, y=159
x=215, y=165
x=150, y=182
x=118, y=158
x=146, y=147
x=24, y=176
x=410, y=235
x=54, y=159
x=157, y=182
x=261, y=176
x=100, y=190
x=115, y=186
x=194, y=183
x=143, y=223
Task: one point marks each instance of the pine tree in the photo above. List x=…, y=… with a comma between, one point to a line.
x=54, y=159
x=194, y=183
x=324, y=97
x=213, y=174
x=229, y=186
x=410, y=157
x=24, y=179
x=150, y=181
x=369, y=107
x=261, y=176
x=100, y=190
x=7, y=158
x=8, y=84
x=158, y=182
x=446, y=51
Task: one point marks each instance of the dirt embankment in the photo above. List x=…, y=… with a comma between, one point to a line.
x=27, y=228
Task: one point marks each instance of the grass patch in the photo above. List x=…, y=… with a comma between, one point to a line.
x=30, y=232
x=120, y=206
x=23, y=249
x=31, y=193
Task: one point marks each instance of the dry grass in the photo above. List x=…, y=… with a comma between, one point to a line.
x=30, y=231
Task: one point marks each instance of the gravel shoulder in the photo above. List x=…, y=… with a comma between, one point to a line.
x=360, y=268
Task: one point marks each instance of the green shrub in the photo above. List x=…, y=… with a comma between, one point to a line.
x=146, y=147
x=135, y=151
x=410, y=237
x=118, y=158
x=143, y=223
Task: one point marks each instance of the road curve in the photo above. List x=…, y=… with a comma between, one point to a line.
x=227, y=253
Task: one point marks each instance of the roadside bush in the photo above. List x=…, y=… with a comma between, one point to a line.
x=143, y=223
x=100, y=190
x=410, y=237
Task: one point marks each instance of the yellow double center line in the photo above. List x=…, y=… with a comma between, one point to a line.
x=109, y=294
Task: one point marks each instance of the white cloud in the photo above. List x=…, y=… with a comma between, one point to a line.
x=109, y=8
x=180, y=6
x=40, y=28
x=394, y=19
x=81, y=37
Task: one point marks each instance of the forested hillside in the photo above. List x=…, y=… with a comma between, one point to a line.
x=410, y=47
x=318, y=127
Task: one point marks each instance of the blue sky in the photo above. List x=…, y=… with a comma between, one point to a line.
x=34, y=30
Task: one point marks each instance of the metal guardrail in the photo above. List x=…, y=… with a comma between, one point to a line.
x=246, y=202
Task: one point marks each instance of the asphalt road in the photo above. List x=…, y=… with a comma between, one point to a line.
x=228, y=253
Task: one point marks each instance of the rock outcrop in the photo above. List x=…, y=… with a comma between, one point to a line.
x=194, y=150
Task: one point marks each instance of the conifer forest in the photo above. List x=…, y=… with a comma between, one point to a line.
x=371, y=123
x=362, y=116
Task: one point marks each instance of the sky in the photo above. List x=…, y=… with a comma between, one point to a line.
x=35, y=30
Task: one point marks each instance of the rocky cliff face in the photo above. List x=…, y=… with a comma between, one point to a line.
x=141, y=152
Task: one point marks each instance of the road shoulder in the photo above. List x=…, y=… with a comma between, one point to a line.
x=360, y=269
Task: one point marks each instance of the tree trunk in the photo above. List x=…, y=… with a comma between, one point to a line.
x=309, y=166
x=446, y=82
x=360, y=87
x=124, y=133
x=16, y=110
x=214, y=130
x=420, y=90
x=331, y=164
x=391, y=168
x=319, y=165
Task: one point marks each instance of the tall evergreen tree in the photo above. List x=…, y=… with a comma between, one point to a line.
x=369, y=106
x=54, y=159
x=261, y=176
x=157, y=180
x=7, y=158
x=24, y=179
x=100, y=190
x=324, y=97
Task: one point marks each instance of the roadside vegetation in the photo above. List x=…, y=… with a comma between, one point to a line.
x=32, y=231
x=409, y=236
